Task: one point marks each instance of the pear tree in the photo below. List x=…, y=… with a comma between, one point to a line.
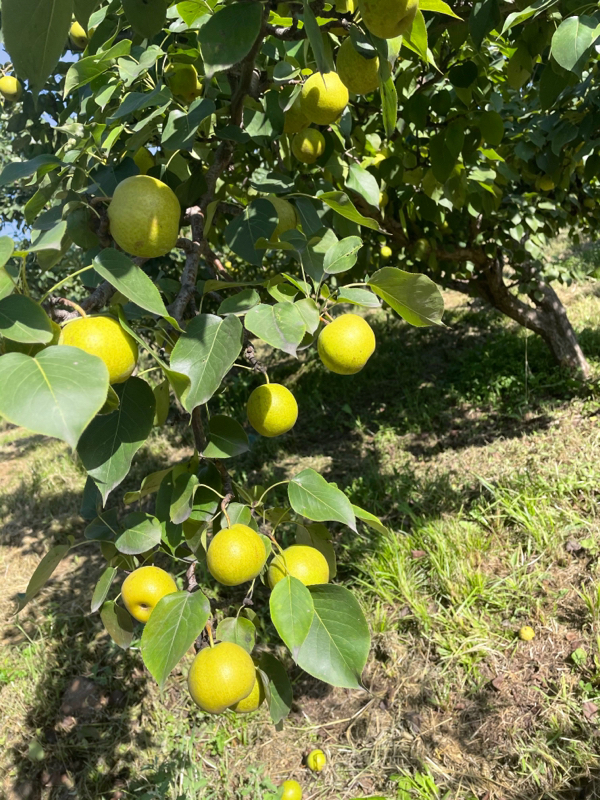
x=210, y=180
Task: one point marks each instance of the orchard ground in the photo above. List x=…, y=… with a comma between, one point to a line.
x=482, y=458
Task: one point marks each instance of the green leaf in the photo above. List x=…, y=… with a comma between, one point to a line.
x=180, y=130
x=342, y=256
x=25, y=169
x=118, y=624
x=292, y=611
x=484, y=17
x=102, y=588
x=182, y=497
x=240, y=303
x=57, y=393
x=24, y=320
x=314, y=37
x=83, y=10
x=146, y=17
x=86, y=69
x=442, y=8
x=416, y=37
x=110, y=442
x=313, y=497
x=278, y=688
x=228, y=36
x=8, y=281
x=36, y=52
x=51, y=239
x=131, y=280
x=150, y=485
x=175, y=623
x=516, y=17
x=415, y=297
x=227, y=438
x=309, y=312
x=337, y=645
x=572, y=42
x=142, y=532
x=162, y=400
x=205, y=353
x=389, y=97
x=104, y=527
x=237, y=630
x=258, y=221
x=358, y=297
x=361, y=181
x=342, y=205
x=370, y=519
x=280, y=325
x=42, y=573
x=6, y=249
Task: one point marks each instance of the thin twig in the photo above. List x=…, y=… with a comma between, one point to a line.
x=190, y=576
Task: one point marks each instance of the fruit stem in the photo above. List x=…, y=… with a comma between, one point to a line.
x=74, y=305
x=268, y=489
x=266, y=374
x=210, y=636
x=65, y=280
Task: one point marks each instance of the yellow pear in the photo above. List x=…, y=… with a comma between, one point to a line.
x=78, y=36
x=323, y=98
x=183, y=81
x=221, y=676
x=104, y=337
x=346, y=344
x=11, y=88
x=359, y=74
x=272, y=409
x=316, y=760
x=305, y=563
x=143, y=588
x=236, y=555
x=254, y=699
x=144, y=216
x=291, y=790
x=294, y=119
x=388, y=18
x=143, y=159
x=308, y=145
x=386, y=252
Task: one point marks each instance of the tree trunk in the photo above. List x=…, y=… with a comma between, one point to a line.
x=548, y=318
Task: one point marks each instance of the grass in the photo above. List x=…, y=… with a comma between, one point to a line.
x=482, y=459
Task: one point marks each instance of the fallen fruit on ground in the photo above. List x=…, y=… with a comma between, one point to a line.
x=388, y=18
x=316, y=760
x=144, y=216
x=254, y=699
x=104, y=337
x=291, y=790
x=272, y=409
x=11, y=88
x=143, y=588
x=221, y=676
x=308, y=145
x=301, y=561
x=346, y=344
x=236, y=555
x=526, y=633
x=359, y=74
x=323, y=98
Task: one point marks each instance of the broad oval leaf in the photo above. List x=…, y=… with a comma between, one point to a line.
x=142, y=532
x=118, y=623
x=228, y=36
x=278, y=688
x=370, y=519
x=257, y=221
x=175, y=623
x=337, y=645
x=342, y=256
x=572, y=41
x=146, y=17
x=342, y=205
x=110, y=442
x=415, y=297
x=358, y=297
x=313, y=497
x=182, y=497
x=129, y=279
x=205, y=353
x=6, y=249
x=24, y=169
x=227, y=438
x=57, y=393
x=47, y=24
x=240, y=303
x=292, y=611
x=238, y=630
x=180, y=130
x=362, y=182
x=24, y=320
x=280, y=325
x=102, y=588
x=43, y=572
